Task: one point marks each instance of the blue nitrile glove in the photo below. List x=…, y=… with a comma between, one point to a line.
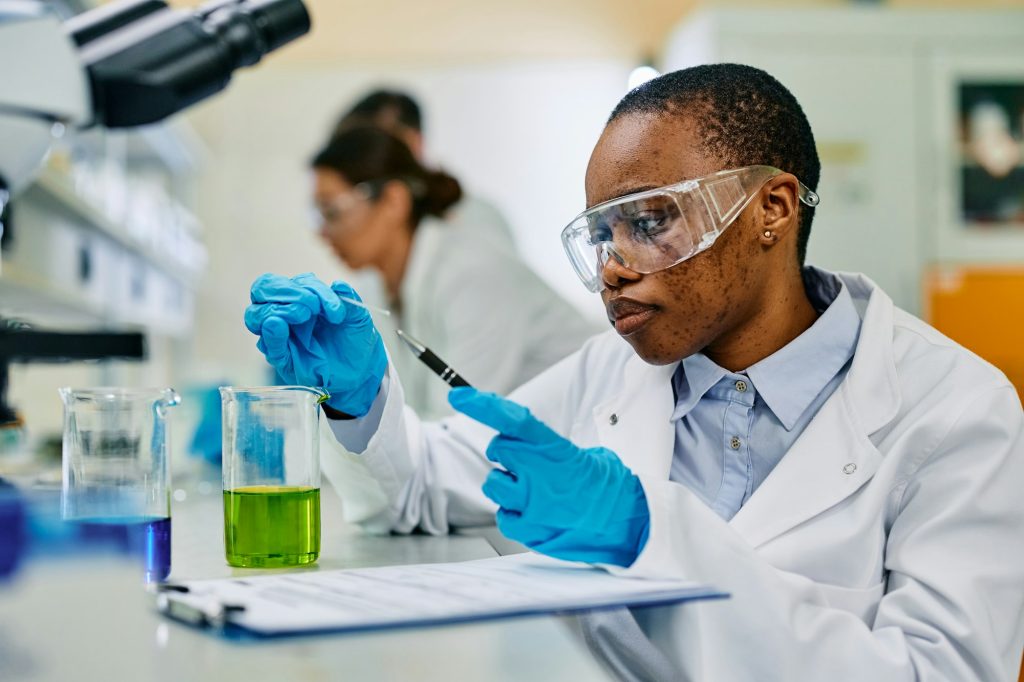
x=559, y=499
x=313, y=338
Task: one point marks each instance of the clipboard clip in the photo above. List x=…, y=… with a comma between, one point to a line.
x=171, y=601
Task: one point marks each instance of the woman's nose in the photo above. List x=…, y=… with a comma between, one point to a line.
x=613, y=272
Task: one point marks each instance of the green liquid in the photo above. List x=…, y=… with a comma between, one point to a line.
x=271, y=526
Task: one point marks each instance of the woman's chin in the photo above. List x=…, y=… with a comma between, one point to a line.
x=658, y=351
x=350, y=262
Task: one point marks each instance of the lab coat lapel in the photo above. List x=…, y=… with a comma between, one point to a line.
x=635, y=422
x=834, y=456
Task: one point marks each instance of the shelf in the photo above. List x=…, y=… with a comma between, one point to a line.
x=58, y=189
x=25, y=292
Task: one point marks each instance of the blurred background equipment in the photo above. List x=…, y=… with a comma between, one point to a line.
x=98, y=233
x=129, y=63
x=20, y=343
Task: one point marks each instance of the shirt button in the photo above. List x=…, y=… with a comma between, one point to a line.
x=614, y=419
x=741, y=386
x=735, y=443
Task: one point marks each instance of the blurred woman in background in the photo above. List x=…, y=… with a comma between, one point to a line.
x=476, y=305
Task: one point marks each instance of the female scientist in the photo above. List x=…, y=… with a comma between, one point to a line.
x=477, y=305
x=850, y=476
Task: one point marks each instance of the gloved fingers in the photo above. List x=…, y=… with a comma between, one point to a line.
x=506, y=417
x=511, y=526
x=514, y=526
x=353, y=314
x=261, y=284
x=505, y=490
x=270, y=288
x=332, y=307
x=515, y=455
x=291, y=314
x=343, y=288
x=274, y=335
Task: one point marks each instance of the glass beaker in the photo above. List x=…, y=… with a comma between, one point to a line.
x=117, y=475
x=271, y=468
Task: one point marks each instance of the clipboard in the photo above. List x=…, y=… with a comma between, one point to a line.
x=420, y=595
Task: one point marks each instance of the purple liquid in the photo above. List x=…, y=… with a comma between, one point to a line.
x=148, y=538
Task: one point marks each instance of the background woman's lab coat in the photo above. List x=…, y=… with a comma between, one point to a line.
x=886, y=545
x=481, y=309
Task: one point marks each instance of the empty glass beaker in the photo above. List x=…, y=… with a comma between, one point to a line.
x=117, y=475
x=271, y=468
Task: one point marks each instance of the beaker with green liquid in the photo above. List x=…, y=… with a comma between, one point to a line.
x=271, y=471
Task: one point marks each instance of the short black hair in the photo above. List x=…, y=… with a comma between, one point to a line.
x=745, y=116
x=393, y=105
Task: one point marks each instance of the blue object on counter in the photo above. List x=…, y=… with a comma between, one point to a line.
x=31, y=528
x=207, y=441
x=13, y=529
x=146, y=538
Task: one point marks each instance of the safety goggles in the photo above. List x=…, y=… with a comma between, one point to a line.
x=339, y=210
x=658, y=228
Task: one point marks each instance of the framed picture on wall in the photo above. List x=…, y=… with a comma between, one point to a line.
x=973, y=157
x=991, y=145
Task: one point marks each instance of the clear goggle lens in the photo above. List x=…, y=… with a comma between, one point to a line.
x=656, y=229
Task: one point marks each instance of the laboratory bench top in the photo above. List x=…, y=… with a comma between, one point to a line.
x=88, y=618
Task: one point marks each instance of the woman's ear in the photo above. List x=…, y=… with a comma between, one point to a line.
x=779, y=209
x=395, y=200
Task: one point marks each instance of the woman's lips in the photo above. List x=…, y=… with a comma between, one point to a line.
x=629, y=316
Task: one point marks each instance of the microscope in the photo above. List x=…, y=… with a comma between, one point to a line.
x=124, y=64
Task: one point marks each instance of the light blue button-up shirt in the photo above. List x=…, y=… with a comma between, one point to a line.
x=732, y=428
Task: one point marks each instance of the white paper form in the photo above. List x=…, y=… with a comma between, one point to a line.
x=422, y=594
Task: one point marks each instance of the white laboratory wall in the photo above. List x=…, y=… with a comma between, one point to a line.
x=866, y=78
x=516, y=133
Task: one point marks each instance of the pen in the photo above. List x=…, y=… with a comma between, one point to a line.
x=439, y=366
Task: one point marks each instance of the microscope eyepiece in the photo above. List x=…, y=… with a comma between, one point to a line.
x=148, y=68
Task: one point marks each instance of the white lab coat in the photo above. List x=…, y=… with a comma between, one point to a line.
x=888, y=544
x=473, y=301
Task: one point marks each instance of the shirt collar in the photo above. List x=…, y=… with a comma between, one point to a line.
x=695, y=377
x=792, y=377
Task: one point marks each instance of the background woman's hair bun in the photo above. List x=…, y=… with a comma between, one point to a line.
x=441, y=193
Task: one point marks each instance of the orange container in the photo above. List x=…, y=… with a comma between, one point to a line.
x=982, y=308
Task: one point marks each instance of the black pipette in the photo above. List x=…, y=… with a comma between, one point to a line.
x=439, y=366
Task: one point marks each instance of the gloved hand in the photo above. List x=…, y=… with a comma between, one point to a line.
x=564, y=501
x=313, y=338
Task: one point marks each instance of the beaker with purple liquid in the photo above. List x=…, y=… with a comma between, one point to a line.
x=116, y=484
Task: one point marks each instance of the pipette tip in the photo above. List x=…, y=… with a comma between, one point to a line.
x=367, y=306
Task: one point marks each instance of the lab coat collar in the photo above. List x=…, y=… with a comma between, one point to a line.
x=834, y=456
x=636, y=423
x=871, y=381
x=791, y=378
x=831, y=459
